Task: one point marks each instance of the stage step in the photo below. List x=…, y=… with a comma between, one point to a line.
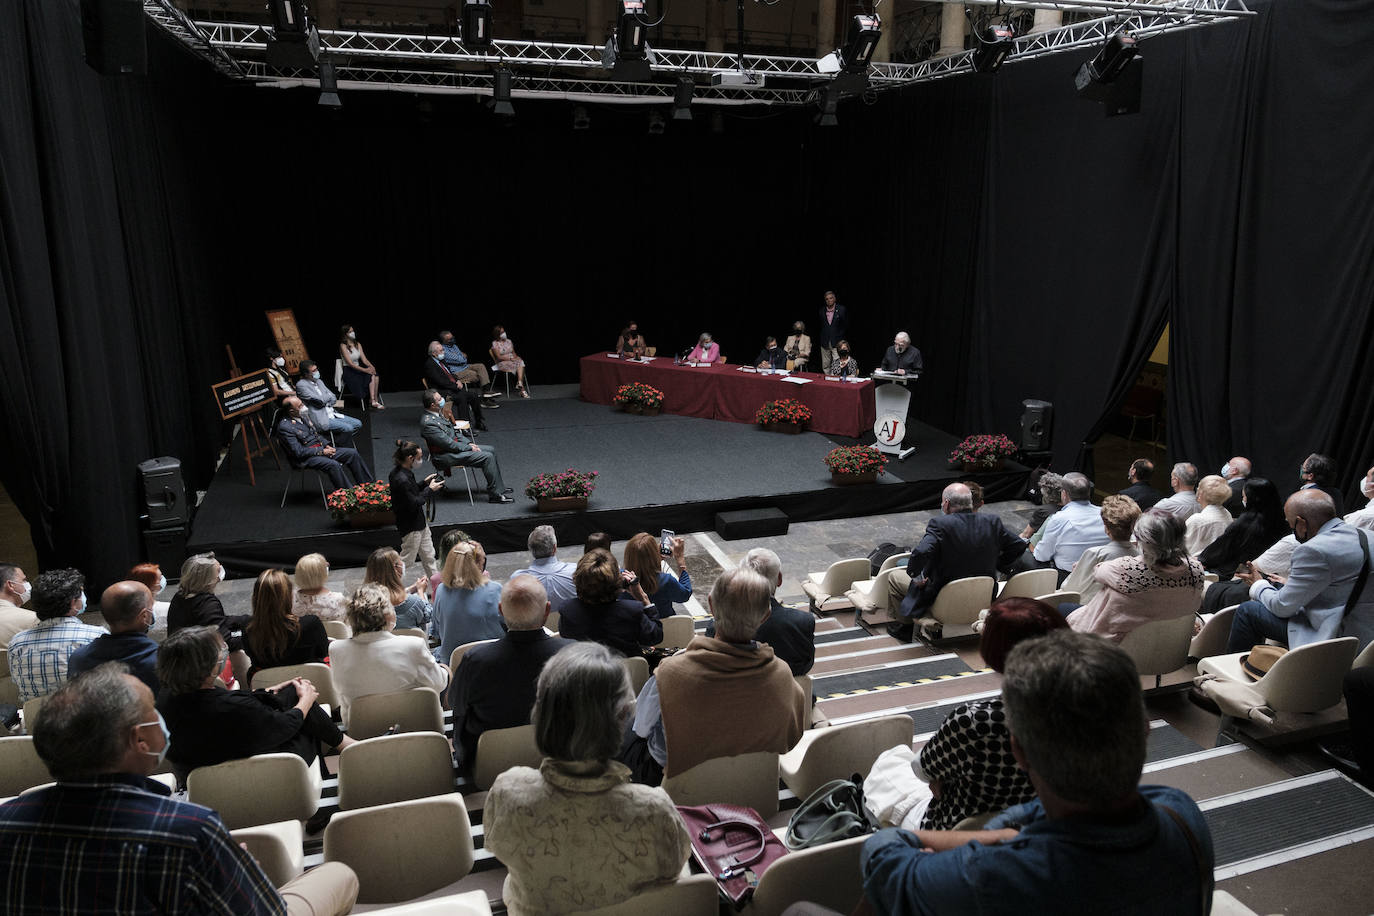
x=883, y=652
x=894, y=699
x=891, y=676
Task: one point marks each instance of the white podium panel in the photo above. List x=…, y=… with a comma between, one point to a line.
x=891, y=402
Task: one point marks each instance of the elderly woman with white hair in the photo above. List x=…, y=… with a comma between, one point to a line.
x=1209, y=522
x=613, y=838
x=196, y=605
x=1160, y=584
x=706, y=350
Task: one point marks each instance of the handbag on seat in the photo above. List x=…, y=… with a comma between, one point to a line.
x=733, y=845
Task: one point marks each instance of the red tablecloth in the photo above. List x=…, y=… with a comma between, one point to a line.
x=726, y=393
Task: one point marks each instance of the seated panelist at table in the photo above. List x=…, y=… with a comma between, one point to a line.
x=843, y=365
x=706, y=350
x=798, y=347
x=631, y=343
x=902, y=358
x=771, y=356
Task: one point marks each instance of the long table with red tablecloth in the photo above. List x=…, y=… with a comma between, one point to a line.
x=726, y=393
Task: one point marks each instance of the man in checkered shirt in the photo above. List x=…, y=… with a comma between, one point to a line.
x=38, y=656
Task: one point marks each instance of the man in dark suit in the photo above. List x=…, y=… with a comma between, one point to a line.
x=1236, y=473
x=306, y=449
x=902, y=358
x=1318, y=472
x=451, y=447
x=466, y=405
x=494, y=685
x=771, y=356
x=834, y=324
x=1140, y=490
x=789, y=631
x=958, y=544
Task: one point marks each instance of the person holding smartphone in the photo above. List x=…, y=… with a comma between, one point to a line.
x=408, y=502
x=644, y=557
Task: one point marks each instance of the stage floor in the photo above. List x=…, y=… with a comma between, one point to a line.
x=653, y=472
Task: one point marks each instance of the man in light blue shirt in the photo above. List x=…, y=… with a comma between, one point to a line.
x=553, y=574
x=1073, y=529
x=38, y=656
x=457, y=362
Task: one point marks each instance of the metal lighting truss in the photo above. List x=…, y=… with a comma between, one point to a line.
x=440, y=63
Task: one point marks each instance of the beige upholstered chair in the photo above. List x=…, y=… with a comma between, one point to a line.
x=1029, y=583
x=276, y=847
x=897, y=559
x=9, y=691
x=414, y=710
x=956, y=607
x=689, y=895
x=824, y=587
x=750, y=780
x=403, y=850
x=638, y=669
x=872, y=597
x=499, y=749
x=392, y=768
x=31, y=712
x=317, y=673
x=411, y=631
x=20, y=766
x=337, y=629
x=678, y=631
x=469, y=903
x=252, y=791
x=828, y=875
x=458, y=652
x=1054, y=599
x=1215, y=634
x=1365, y=659
x=1160, y=646
x=840, y=751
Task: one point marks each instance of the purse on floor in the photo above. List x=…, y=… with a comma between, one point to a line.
x=733, y=845
x=833, y=812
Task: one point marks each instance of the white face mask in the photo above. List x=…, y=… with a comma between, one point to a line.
x=352, y=335
x=153, y=621
x=221, y=574
x=503, y=335
x=161, y=583
x=403, y=569
x=315, y=376
x=26, y=594
x=166, y=738
x=1226, y=471
x=279, y=361
x=81, y=609
x=440, y=403
x=1365, y=488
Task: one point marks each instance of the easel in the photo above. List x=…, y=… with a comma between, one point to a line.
x=250, y=422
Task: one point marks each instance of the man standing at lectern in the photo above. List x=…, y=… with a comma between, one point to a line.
x=902, y=358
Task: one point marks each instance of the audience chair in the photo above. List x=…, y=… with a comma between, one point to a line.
x=957, y=606
x=828, y=875
x=872, y=595
x=897, y=559
x=1365, y=659
x=1029, y=583
x=392, y=768
x=299, y=469
x=31, y=712
x=840, y=751
x=511, y=375
x=414, y=710
x=976, y=821
x=276, y=847
x=411, y=631
x=1160, y=647
x=253, y=791
x=1054, y=599
x=678, y=631
x=818, y=718
x=689, y=895
x=750, y=780
x=499, y=749
x=822, y=588
x=1215, y=634
x=458, y=652
x=337, y=629
x=339, y=385
x=9, y=691
x=317, y=673
x=20, y=766
x=638, y=669
x=468, y=903
x=1298, y=698
x=403, y=850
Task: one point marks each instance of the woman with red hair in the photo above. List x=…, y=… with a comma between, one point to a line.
x=967, y=768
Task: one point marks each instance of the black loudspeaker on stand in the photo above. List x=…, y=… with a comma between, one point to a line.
x=113, y=33
x=164, y=494
x=1037, y=425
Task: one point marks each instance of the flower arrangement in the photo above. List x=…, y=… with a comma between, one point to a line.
x=855, y=459
x=371, y=496
x=786, y=410
x=561, y=483
x=983, y=450
x=638, y=393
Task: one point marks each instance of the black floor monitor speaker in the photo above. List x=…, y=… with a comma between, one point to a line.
x=751, y=523
x=1037, y=423
x=164, y=494
x=167, y=548
x=114, y=36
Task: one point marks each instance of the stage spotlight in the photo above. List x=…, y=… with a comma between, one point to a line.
x=864, y=32
x=1114, y=76
x=289, y=16
x=476, y=24
x=830, y=105
x=329, y=86
x=656, y=123
x=627, y=54
x=295, y=43
x=682, y=99
x=994, y=44
x=500, y=93
x=581, y=120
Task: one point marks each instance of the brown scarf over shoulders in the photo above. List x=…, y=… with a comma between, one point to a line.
x=720, y=699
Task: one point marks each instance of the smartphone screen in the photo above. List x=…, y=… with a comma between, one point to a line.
x=665, y=542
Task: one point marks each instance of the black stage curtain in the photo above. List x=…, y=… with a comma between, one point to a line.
x=1032, y=247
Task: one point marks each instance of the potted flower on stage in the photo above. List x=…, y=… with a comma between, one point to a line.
x=561, y=490
x=638, y=397
x=982, y=452
x=367, y=505
x=851, y=464
x=786, y=415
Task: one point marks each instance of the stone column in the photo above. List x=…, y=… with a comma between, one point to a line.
x=952, y=26
x=1047, y=21
x=825, y=27
x=715, y=24
x=596, y=22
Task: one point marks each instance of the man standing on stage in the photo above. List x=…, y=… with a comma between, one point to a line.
x=832, y=330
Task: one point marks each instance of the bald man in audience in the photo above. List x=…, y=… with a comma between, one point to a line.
x=493, y=685
x=1316, y=601
x=107, y=839
x=1236, y=472
x=128, y=611
x=1183, y=480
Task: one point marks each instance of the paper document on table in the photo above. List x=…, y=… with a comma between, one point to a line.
x=613, y=356
x=795, y=380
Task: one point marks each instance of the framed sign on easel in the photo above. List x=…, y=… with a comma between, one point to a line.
x=244, y=398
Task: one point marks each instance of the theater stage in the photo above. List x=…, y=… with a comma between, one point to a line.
x=654, y=472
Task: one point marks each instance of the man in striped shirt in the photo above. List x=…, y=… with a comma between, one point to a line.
x=38, y=656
